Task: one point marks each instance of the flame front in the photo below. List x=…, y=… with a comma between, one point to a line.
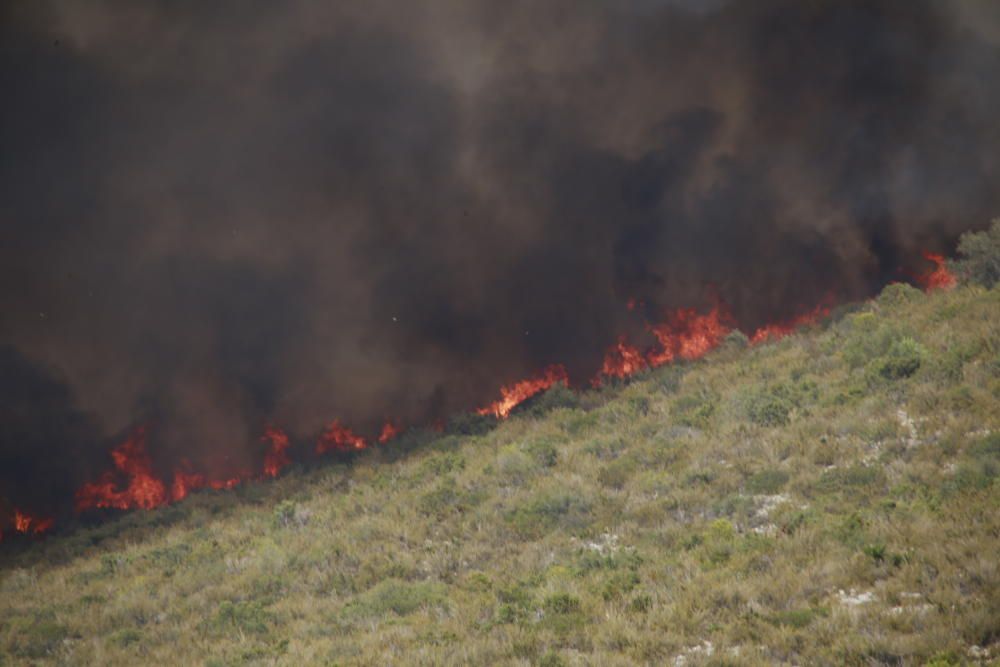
x=778, y=330
x=389, y=431
x=276, y=457
x=514, y=394
x=685, y=334
x=142, y=489
x=938, y=279
x=338, y=437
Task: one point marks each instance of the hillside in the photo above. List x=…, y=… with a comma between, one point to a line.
x=832, y=498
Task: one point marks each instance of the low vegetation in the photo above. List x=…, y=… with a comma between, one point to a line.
x=833, y=498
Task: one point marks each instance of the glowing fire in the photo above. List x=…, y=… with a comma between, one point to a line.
x=687, y=335
x=620, y=361
x=778, y=330
x=142, y=489
x=514, y=394
x=338, y=437
x=938, y=279
x=276, y=457
x=25, y=523
x=389, y=431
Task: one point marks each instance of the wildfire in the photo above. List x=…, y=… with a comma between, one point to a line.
x=687, y=335
x=938, y=279
x=24, y=523
x=338, y=437
x=142, y=489
x=389, y=431
x=778, y=330
x=514, y=394
x=276, y=457
x=620, y=361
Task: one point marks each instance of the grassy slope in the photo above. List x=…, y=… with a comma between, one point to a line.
x=805, y=502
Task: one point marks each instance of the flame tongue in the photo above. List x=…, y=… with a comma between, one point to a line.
x=620, y=361
x=938, y=279
x=688, y=335
x=338, y=437
x=514, y=394
x=143, y=490
x=389, y=431
x=276, y=457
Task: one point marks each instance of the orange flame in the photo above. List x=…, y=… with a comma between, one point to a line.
x=389, y=431
x=276, y=457
x=938, y=279
x=620, y=361
x=131, y=461
x=514, y=394
x=688, y=335
x=778, y=330
x=25, y=523
x=338, y=437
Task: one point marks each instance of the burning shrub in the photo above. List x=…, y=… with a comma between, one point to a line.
x=980, y=256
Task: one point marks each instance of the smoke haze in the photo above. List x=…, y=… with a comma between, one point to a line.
x=220, y=215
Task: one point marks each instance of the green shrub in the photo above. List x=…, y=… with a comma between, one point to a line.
x=736, y=340
x=243, y=616
x=558, y=396
x=696, y=409
x=765, y=407
x=38, y=638
x=398, y=597
x=617, y=473
x=899, y=294
x=561, y=603
x=447, y=497
x=767, y=482
x=979, y=256
x=546, y=512
x=902, y=360
x=543, y=452
x=471, y=423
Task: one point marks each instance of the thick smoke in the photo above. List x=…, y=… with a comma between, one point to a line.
x=219, y=215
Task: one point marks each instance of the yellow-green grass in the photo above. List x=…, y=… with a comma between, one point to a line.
x=829, y=499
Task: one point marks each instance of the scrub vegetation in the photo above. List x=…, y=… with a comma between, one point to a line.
x=832, y=498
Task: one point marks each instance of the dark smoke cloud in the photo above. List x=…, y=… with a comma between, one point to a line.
x=217, y=215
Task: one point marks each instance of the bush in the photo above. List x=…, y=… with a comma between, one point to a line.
x=471, y=423
x=980, y=256
x=767, y=482
x=768, y=408
x=616, y=474
x=243, y=616
x=561, y=603
x=901, y=361
x=899, y=294
x=558, y=396
x=398, y=597
x=546, y=512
